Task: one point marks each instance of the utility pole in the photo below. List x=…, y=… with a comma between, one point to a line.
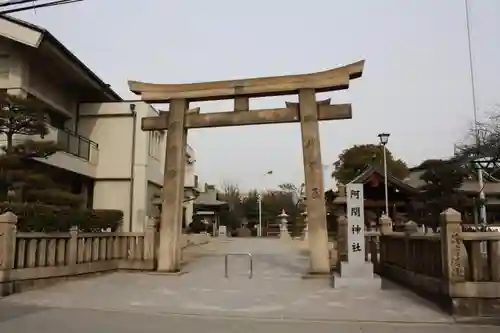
x=482, y=197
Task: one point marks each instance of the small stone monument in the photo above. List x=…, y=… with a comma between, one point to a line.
x=385, y=224
x=356, y=272
x=283, y=228
x=305, y=231
x=222, y=231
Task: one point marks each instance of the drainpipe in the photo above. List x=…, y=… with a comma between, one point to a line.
x=77, y=120
x=132, y=164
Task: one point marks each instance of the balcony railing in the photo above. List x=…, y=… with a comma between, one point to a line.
x=67, y=141
x=75, y=144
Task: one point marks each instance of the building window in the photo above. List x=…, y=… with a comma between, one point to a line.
x=150, y=145
x=154, y=144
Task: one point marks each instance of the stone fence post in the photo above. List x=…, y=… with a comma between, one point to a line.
x=410, y=228
x=342, y=238
x=385, y=225
x=385, y=229
x=453, y=271
x=72, y=254
x=149, y=239
x=8, y=223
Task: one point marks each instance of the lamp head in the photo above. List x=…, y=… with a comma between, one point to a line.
x=384, y=138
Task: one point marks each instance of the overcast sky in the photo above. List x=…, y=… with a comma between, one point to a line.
x=416, y=82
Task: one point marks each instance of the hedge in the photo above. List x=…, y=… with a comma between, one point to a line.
x=46, y=218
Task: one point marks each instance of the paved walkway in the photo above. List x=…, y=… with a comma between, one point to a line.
x=276, y=299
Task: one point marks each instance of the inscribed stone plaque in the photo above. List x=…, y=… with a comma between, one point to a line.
x=355, y=224
x=222, y=231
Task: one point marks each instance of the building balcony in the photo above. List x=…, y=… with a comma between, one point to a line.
x=68, y=142
x=191, y=181
x=77, y=145
x=77, y=153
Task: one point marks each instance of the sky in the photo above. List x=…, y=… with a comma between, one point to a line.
x=415, y=86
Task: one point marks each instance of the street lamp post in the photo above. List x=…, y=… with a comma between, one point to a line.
x=384, y=138
x=259, y=203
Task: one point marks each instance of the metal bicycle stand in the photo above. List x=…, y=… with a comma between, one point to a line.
x=226, y=260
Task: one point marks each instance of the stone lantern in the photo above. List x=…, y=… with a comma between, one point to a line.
x=283, y=225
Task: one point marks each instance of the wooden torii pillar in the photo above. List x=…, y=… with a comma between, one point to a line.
x=308, y=112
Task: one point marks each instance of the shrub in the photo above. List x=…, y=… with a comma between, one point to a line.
x=99, y=219
x=196, y=227
x=53, y=196
x=46, y=218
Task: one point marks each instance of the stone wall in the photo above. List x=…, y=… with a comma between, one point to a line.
x=34, y=259
x=459, y=270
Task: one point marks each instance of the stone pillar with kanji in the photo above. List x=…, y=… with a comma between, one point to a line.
x=356, y=271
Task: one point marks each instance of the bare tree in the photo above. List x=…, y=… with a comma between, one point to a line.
x=297, y=193
x=231, y=194
x=482, y=143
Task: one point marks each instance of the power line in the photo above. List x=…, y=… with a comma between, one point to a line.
x=15, y=6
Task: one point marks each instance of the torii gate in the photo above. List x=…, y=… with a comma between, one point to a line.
x=308, y=112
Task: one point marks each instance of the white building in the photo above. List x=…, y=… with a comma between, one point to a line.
x=106, y=155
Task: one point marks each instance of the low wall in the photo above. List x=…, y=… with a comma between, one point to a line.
x=33, y=259
x=459, y=270
x=36, y=259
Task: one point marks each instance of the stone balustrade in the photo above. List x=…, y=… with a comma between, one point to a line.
x=459, y=270
x=31, y=259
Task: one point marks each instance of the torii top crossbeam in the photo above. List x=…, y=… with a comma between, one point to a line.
x=330, y=80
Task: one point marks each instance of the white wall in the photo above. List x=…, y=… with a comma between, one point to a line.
x=112, y=126
x=113, y=195
x=189, y=205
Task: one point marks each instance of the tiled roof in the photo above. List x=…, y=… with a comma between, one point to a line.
x=208, y=198
x=53, y=40
x=370, y=170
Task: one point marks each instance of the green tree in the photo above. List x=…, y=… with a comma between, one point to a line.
x=353, y=161
x=442, y=179
x=23, y=180
x=20, y=120
x=297, y=192
x=250, y=208
x=233, y=215
x=276, y=201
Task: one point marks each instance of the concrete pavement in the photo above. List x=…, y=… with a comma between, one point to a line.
x=83, y=321
x=275, y=299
